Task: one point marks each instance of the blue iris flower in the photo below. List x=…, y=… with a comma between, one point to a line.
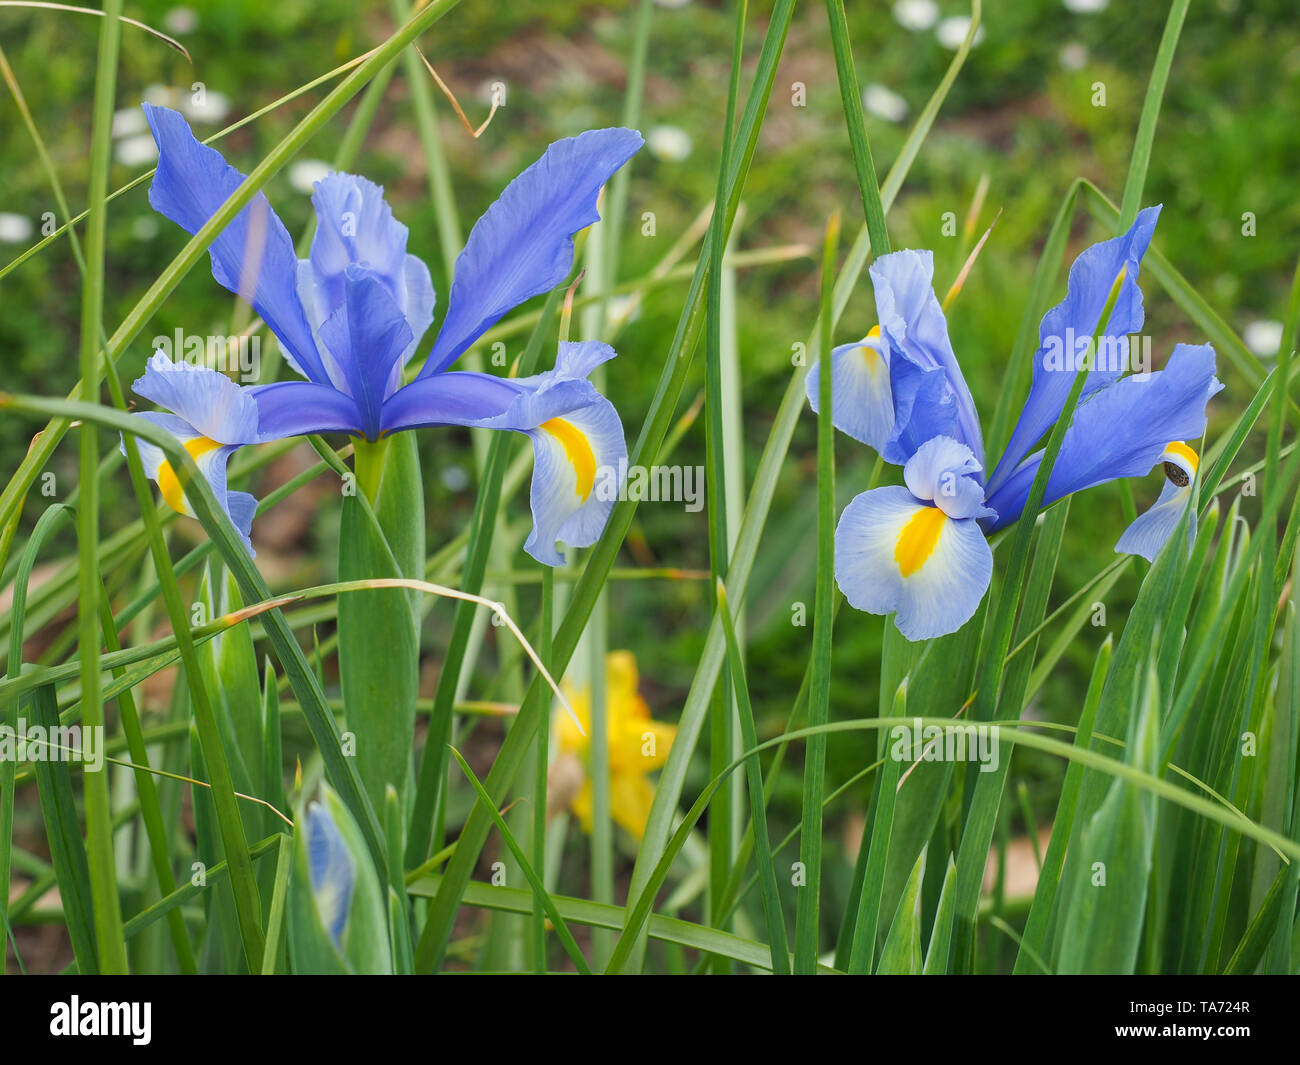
x=332, y=871
x=920, y=550
x=351, y=315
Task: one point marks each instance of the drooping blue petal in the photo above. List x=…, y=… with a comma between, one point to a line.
x=579, y=460
x=253, y=256
x=332, y=871
x=209, y=401
x=941, y=471
x=1121, y=431
x=210, y=457
x=1151, y=530
x=366, y=336
x=299, y=408
x=356, y=227
x=913, y=324
x=861, y=400
x=579, y=451
x=523, y=244
x=1071, y=324
x=896, y=554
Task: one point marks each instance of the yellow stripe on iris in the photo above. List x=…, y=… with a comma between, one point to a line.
x=870, y=355
x=577, y=448
x=1187, y=454
x=170, y=484
x=918, y=539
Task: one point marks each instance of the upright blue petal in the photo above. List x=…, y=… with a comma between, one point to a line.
x=913, y=324
x=895, y=554
x=1068, y=329
x=366, y=336
x=253, y=256
x=332, y=871
x=1121, y=431
x=861, y=399
x=924, y=407
x=356, y=227
x=523, y=244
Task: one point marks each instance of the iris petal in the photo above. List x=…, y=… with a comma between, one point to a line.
x=367, y=335
x=209, y=401
x=914, y=326
x=191, y=182
x=1120, y=432
x=895, y=554
x=942, y=472
x=579, y=451
x=356, y=227
x=210, y=457
x=1092, y=276
x=454, y=398
x=523, y=244
x=332, y=871
x=1151, y=530
x=578, y=456
x=862, y=405
x=297, y=408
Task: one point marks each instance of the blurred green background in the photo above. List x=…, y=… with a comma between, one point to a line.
x=1022, y=114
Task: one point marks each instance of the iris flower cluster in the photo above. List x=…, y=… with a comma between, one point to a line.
x=350, y=317
x=920, y=550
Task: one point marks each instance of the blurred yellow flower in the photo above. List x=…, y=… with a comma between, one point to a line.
x=637, y=746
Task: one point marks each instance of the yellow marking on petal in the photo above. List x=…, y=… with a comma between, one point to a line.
x=870, y=355
x=170, y=484
x=577, y=448
x=917, y=541
x=1187, y=454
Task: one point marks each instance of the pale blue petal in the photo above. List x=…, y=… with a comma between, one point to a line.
x=1152, y=529
x=916, y=331
x=937, y=598
x=209, y=401
x=355, y=226
x=151, y=456
x=523, y=244
x=862, y=404
x=571, y=500
x=332, y=871
x=940, y=472
x=191, y=182
x=1092, y=276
